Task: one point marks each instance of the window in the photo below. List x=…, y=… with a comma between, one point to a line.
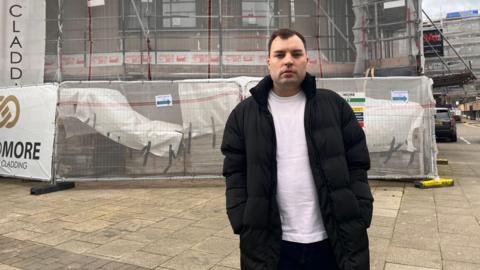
x=148, y=10
x=178, y=13
x=156, y=14
x=258, y=13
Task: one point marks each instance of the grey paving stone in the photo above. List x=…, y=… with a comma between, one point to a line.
x=88, y=226
x=415, y=209
x=392, y=266
x=456, y=204
x=12, y=226
x=448, y=210
x=383, y=221
x=392, y=213
x=217, y=245
x=458, y=224
x=57, y=237
x=168, y=246
x=193, y=234
x=132, y=225
x=426, y=220
x=461, y=254
x=471, y=240
x=414, y=257
x=401, y=239
x=377, y=260
x=172, y=224
x=101, y=237
x=380, y=232
x=112, y=266
x=147, y=235
x=76, y=246
x=455, y=265
x=117, y=248
x=416, y=230
x=97, y=264
x=232, y=260
x=193, y=260
x=144, y=259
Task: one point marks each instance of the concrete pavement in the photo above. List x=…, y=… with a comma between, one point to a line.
x=183, y=225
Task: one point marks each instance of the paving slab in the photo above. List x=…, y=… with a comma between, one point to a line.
x=193, y=259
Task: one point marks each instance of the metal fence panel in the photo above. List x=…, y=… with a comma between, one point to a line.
x=397, y=114
x=141, y=129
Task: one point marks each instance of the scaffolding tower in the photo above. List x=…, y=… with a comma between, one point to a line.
x=166, y=39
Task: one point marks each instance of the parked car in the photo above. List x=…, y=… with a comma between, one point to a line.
x=445, y=126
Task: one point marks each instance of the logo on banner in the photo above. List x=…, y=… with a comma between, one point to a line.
x=6, y=118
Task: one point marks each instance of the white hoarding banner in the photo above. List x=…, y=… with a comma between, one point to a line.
x=22, y=46
x=27, y=128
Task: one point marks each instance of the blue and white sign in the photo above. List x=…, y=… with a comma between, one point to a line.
x=462, y=14
x=400, y=96
x=163, y=101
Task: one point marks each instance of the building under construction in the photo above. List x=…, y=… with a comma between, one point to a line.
x=123, y=110
x=454, y=63
x=174, y=39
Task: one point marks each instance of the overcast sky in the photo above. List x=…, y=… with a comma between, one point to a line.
x=437, y=9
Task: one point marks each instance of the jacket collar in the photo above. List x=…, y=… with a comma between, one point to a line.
x=261, y=90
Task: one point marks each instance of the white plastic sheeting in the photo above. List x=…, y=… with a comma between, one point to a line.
x=400, y=132
x=396, y=113
x=104, y=128
x=387, y=122
x=204, y=107
x=109, y=113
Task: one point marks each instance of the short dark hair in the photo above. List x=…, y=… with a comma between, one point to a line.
x=285, y=33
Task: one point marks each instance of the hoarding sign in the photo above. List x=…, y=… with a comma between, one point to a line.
x=22, y=46
x=432, y=43
x=94, y=3
x=357, y=102
x=27, y=125
x=399, y=96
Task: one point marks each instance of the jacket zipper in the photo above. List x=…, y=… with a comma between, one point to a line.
x=273, y=191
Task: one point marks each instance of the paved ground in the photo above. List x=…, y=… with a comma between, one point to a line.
x=182, y=225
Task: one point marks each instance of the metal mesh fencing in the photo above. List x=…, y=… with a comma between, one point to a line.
x=141, y=129
x=174, y=128
x=397, y=116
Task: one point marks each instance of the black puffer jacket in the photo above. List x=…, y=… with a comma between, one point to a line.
x=339, y=160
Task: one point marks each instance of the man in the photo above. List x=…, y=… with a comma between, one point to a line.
x=296, y=166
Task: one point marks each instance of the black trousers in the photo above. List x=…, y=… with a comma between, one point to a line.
x=313, y=256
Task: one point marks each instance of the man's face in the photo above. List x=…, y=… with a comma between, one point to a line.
x=287, y=62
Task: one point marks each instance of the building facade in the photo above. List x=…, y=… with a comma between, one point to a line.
x=174, y=39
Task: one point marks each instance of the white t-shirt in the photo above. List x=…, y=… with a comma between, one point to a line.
x=296, y=193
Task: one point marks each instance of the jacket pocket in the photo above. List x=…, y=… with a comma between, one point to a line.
x=254, y=247
x=365, y=200
x=256, y=213
x=345, y=205
x=235, y=216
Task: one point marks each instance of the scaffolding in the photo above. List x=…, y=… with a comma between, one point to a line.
x=164, y=39
x=464, y=36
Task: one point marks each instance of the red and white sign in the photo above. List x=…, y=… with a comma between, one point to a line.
x=258, y=58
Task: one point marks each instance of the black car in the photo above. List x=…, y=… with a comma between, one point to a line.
x=445, y=126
